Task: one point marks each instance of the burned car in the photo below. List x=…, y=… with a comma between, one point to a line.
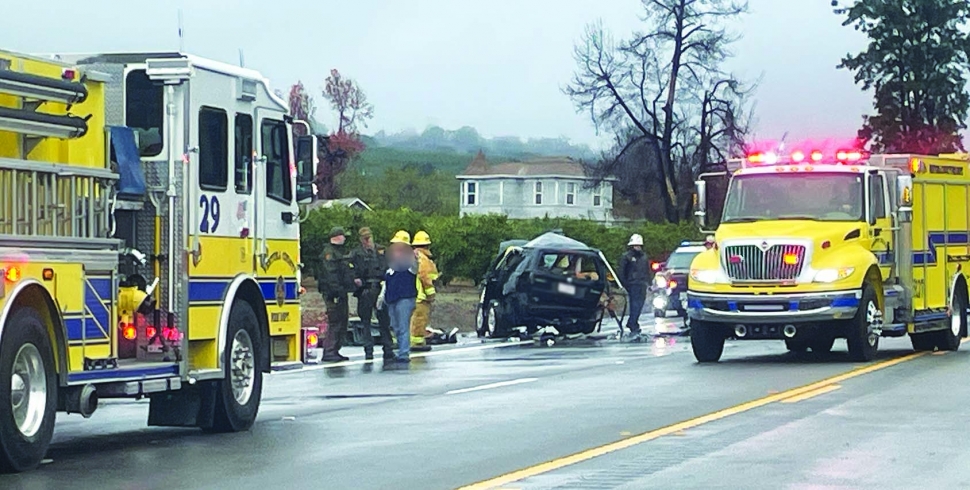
x=551, y=281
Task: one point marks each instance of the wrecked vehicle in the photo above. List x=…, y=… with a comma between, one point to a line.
x=552, y=283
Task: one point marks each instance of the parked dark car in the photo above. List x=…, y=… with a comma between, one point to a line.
x=551, y=281
x=670, y=281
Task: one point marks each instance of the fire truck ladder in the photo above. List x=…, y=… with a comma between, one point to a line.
x=41, y=199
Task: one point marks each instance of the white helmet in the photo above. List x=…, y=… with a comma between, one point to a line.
x=636, y=239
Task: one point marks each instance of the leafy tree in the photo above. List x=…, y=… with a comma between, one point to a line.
x=916, y=65
x=662, y=93
x=301, y=107
x=349, y=101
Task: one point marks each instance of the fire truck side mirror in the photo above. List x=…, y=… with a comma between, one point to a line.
x=904, y=197
x=306, y=168
x=700, y=203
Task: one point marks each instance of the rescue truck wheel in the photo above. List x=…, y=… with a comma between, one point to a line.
x=949, y=339
x=861, y=337
x=923, y=341
x=28, y=391
x=237, y=398
x=707, y=341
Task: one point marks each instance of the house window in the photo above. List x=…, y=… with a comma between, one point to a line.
x=598, y=196
x=570, y=194
x=538, y=193
x=244, y=154
x=213, y=149
x=275, y=147
x=471, y=193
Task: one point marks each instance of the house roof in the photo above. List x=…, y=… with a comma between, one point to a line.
x=546, y=166
x=349, y=202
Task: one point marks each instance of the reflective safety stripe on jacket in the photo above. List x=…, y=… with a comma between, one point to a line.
x=427, y=274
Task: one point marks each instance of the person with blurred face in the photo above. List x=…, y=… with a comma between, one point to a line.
x=400, y=291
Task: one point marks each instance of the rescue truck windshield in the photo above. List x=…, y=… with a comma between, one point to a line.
x=817, y=196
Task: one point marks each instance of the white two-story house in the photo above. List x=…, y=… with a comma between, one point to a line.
x=553, y=186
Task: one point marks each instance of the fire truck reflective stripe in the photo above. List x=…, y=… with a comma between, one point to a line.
x=845, y=302
x=160, y=371
x=937, y=239
x=97, y=309
x=92, y=331
x=215, y=290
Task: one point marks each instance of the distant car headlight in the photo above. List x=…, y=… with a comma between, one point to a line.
x=660, y=302
x=706, y=276
x=660, y=281
x=832, y=275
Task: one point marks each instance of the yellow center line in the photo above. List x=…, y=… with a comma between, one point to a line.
x=680, y=426
x=811, y=394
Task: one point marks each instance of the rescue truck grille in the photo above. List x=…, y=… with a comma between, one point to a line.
x=754, y=263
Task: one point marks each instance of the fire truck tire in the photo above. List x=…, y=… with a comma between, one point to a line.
x=28, y=391
x=238, y=395
x=949, y=339
x=923, y=341
x=863, y=342
x=707, y=341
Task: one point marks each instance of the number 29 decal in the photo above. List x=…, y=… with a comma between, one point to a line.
x=210, y=214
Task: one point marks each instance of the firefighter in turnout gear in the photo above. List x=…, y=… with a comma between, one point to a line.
x=427, y=274
x=336, y=282
x=369, y=267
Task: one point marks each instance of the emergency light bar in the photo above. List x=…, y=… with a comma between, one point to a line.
x=798, y=156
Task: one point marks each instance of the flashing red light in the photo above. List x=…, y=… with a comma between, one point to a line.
x=756, y=157
x=848, y=155
x=171, y=334
x=790, y=259
x=12, y=274
x=672, y=284
x=128, y=331
x=798, y=156
x=817, y=156
x=655, y=266
x=312, y=339
x=150, y=332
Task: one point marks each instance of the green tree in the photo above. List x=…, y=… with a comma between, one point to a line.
x=916, y=65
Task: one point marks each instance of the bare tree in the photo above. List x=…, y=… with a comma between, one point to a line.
x=663, y=94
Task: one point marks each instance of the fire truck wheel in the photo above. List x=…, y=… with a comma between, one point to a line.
x=237, y=399
x=923, y=341
x=822, y=344
x=949, y=339
x=861, y=337
x=707, y=341
x=28, y=391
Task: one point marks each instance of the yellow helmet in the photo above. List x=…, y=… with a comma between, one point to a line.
x=402, y=237
x=421, y=238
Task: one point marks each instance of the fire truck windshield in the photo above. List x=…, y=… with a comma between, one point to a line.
x=809, y=196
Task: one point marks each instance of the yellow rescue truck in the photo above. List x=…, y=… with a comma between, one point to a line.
x=813, y=246
x=149, y=241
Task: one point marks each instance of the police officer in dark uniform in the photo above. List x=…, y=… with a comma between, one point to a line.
x=336, y=282
x=369, y=267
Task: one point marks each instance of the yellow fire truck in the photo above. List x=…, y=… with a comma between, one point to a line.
x=120, y=274
x=815, y=245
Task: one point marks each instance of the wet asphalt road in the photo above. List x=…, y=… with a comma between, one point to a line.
x=484, y=410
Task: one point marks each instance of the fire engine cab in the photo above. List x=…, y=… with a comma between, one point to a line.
x=814, y=245
x=149, y=241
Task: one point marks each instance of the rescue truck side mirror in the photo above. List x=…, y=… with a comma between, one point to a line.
x=306, y=168
x=904, y=197
x=700, y=203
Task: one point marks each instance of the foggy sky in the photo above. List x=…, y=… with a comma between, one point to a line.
x=497, y=65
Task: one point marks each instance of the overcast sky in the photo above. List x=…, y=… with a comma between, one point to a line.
x=496, y=65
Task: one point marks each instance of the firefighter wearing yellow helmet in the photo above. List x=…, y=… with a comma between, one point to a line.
x=427, y=274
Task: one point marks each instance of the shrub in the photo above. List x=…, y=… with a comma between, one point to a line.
x=464, y=246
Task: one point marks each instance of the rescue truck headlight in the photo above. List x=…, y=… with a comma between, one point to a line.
x=832, y=275
x=706, y=276
x=660, y=281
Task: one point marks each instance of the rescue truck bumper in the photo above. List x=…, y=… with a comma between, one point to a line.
x=773, y=309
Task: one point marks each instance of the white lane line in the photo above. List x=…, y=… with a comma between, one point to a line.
x=492, y=385
x=317, y=367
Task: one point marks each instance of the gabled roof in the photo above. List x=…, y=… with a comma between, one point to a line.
x=545, y=166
